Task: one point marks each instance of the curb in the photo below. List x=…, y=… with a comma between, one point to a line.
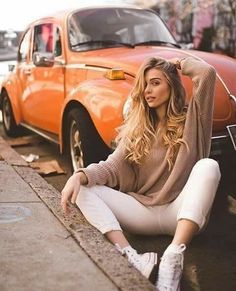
x=100, y=251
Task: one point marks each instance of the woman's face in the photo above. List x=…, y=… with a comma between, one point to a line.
x=157, y=91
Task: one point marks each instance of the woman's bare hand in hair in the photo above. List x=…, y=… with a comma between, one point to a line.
x=173, y=61
x=176, y=62
x=71, y=190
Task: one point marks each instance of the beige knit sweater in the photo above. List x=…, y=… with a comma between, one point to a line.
x=152, y=183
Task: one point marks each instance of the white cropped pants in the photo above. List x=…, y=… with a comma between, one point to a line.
x=108, y=209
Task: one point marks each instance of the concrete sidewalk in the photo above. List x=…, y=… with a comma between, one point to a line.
x=40, y=249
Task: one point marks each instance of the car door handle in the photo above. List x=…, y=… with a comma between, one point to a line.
x=27, y=71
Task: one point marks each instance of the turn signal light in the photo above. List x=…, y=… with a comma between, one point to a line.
x=115, y=74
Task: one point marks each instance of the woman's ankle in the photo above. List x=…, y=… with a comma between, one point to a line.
x=175, y=248
x=125, y=249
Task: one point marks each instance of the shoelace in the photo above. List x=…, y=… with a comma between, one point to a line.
x=132, y=255
x=133, y=258
x=172, y=266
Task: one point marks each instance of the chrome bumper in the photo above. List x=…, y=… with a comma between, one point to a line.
x=225, y=142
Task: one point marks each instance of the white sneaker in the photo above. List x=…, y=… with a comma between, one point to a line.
x=146, y=263
x=171, y=269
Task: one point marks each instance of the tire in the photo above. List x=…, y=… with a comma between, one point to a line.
x=9, y=123
x=84, y=144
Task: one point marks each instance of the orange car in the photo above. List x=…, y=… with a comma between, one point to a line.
x=75, y=70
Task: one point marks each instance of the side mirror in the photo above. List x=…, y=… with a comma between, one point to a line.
x=43, y=59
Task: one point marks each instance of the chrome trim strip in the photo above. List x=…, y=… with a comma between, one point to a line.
x=232, y=137
x=41, y=133
x=84, y=66
x=219, y=137
x=233, y=97
x=75, y=66
x=223, y=83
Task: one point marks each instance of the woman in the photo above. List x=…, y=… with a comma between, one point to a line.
x=166, y=182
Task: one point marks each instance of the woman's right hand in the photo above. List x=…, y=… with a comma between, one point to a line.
x=71, y=190
x=176, y=62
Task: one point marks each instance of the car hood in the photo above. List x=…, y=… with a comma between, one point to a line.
x=130, y=60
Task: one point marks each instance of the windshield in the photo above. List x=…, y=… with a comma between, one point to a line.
x=106, y=27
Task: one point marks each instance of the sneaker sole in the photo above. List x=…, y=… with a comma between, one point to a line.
x=153, y=258
x=150, y=272
x=153, y=276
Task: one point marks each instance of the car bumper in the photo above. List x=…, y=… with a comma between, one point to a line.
x=224, y=143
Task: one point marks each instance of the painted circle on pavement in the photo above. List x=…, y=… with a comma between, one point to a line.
x=13, y=212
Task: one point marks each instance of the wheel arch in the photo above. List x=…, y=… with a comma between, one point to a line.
x=12, y=95
x=93, y=146
x=103, y=101
x=63, y=134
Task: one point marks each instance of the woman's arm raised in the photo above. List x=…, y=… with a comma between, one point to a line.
x=203, y=76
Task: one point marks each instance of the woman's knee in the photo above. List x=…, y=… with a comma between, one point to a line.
x=208, y=167
x=85, y=194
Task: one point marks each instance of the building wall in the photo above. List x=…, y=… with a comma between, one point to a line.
x=209, y=25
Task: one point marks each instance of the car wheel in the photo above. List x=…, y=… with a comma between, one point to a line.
x=85, y=145
x=9, y=123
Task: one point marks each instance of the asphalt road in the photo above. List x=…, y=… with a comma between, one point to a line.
x=210, y=261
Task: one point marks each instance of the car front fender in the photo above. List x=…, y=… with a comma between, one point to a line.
x=103, y=99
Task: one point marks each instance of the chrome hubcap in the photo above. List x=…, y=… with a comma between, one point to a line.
x=75, y=147
x=6, y=112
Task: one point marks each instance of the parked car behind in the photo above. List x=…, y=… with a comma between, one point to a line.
x=75, y=70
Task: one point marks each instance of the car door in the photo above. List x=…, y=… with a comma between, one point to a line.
x=23, y=68
x=42, y=106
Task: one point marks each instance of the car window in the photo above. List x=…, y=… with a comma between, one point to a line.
x=43, y=38
x=47, y=39
x=24, y=47
x=57, y=47
x=120, y=25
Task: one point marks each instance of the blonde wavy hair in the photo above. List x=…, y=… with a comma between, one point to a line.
x=139, y=129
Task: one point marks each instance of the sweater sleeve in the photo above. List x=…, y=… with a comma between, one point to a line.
x=201, y=105
x=116, y=171
x=203, y=76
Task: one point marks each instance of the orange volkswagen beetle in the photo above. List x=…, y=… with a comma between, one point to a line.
x=75, y=70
